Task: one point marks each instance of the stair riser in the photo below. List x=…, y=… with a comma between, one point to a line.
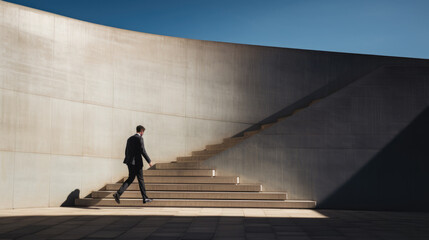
x=265, y=126
x=192, y=159
x=225, y=180
x=202, y=173
x=314, y=101
x=178, y=166
x=297, y=110
x=248, y=134
x=233, y=140
x=206, y=152
x=190, y=187
x=194, y=195
x=196, y=203
x=222, y=146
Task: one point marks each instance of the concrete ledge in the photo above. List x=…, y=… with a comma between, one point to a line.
x=250, y=133
x=179, y=165
x=220, y=146
x=193, y=173
x=154, y=179
x=191, y=187
x=206, y=152
x=198, y=203
x=195, y=195
x=193, y=158
x=233, y=140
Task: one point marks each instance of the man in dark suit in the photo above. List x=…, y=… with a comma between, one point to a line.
x=133, y=158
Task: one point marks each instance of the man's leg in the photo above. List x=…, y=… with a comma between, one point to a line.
x=131, y=177
x=139, y=173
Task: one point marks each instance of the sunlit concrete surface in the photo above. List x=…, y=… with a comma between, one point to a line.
x=150, y=211
x=209, y=223
x=72, y=92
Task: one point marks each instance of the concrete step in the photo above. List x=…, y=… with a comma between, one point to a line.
x=198, y=203
x=178, y=165
x=315, y=101
x=251, y=133
x=234, y=140
x=206, y=152
x=265, y=126
x=181, y=173
x=190, y=187
x=220, y=179
x=283, y=118
x=195, y=195
x=297, y=110
x=220, y=146
x=193, y=158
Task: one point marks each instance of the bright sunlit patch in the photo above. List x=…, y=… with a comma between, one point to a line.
x=155, y=211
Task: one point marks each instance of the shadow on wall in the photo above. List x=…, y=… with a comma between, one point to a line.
x=71, y=198
x=336, y=84
x=397, y=178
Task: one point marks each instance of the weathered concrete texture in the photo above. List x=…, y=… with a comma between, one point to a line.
x=7, y=166
x=32, y=179
x=78, y=89
x=364, y=147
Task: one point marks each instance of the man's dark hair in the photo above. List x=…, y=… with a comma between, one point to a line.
x=139, y=128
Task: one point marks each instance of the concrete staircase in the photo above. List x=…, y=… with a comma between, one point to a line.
x=185, y=183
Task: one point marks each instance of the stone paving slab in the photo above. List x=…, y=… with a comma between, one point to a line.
x=209, y=223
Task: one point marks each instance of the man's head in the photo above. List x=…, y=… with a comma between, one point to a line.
x=140, y=129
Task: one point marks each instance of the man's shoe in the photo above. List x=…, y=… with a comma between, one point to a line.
x=116, y=196
x=147, y=200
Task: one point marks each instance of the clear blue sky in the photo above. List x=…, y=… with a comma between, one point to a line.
x=382, y=27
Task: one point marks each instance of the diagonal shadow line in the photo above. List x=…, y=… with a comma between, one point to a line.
x=324, y=91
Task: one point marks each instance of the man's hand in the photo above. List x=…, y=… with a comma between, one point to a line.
x=151, y=164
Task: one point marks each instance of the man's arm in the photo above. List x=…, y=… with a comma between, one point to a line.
x=144, y=153
x=126, y=153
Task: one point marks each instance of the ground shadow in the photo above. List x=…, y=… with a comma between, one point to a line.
x=337, y=225
x=397, y=178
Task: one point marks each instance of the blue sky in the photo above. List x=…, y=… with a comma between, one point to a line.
x=381, y=27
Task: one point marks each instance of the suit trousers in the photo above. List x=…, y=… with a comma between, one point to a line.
x=134, y=172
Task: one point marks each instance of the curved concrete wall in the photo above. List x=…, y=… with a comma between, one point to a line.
x=363, y=147
x=71, y=92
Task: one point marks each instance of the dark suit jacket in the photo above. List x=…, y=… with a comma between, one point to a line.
x=135, y=150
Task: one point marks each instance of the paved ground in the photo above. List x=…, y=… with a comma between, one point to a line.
x=209, y=223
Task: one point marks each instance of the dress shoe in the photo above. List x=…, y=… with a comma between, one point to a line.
x=147, y=200
x=116, y=196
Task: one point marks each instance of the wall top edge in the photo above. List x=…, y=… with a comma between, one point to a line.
x=205, y=41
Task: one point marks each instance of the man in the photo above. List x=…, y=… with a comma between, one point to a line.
x=133, y=158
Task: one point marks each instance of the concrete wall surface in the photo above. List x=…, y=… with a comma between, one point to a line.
x=71, y=92
x=363, y=147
